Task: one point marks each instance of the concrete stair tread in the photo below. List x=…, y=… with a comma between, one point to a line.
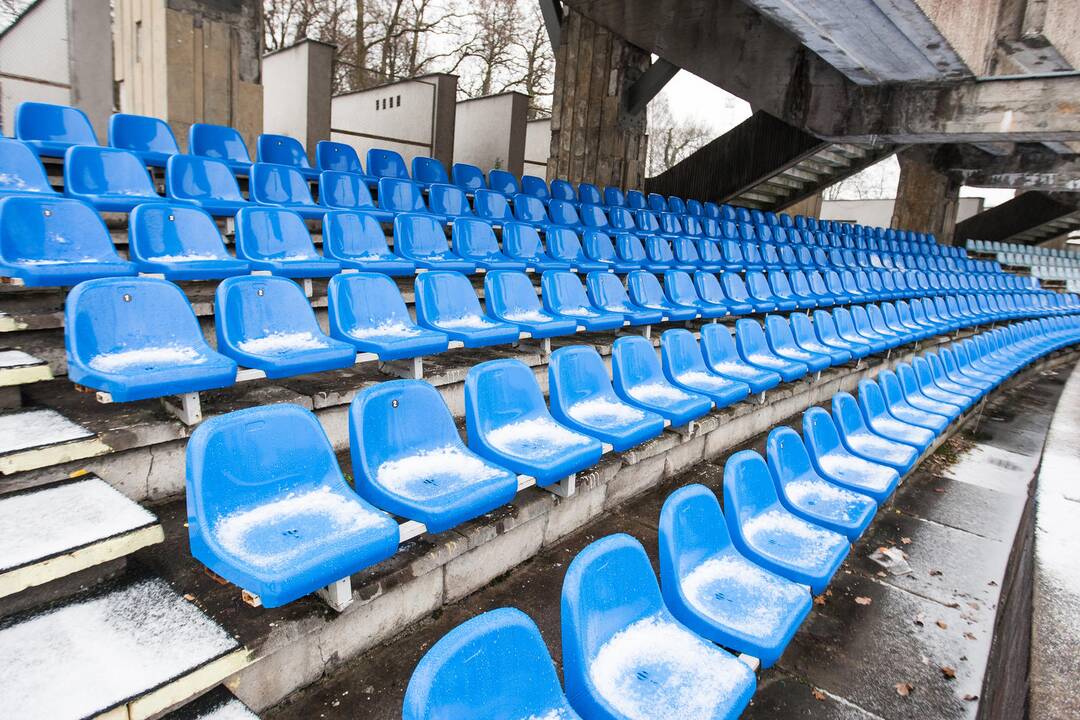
x=34, y=437
x=218, y=704
x=22, y=368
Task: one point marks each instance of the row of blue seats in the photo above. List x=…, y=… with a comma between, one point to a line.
x=730, y=580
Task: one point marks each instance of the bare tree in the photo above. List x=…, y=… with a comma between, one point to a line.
x=535, y=64
x=672, y=140
x=10, y=10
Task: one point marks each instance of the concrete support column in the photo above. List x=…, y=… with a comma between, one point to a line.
x=296, y=92
x=926, y=198
x=90, y=60
x=444, y=121
x=593, y=137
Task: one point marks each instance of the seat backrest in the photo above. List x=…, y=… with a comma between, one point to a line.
x=201, y=178
x=563, y=289
x=507, y=292
x=748, y=489
x=159, y=231
x=141, y=133
x=281, y=150
x=846, y=414
x=398, y=195
x=443, y=296
x=449, y=200
x=598, y=246
x=217, y=141
x=528, y=208
x=521, y=240
x=634, y=362
x=20, y=169
x=366, y=301
x=39, y=230
x=778, y=332
x=265, y=233
x=717, y=344
x=250, y=307
x=498, y=393
x=418, y=235
x=338, y=157
x=349, y=234
x=788, y=459
x=468, y=177
x=344, y=190
x=429, y=170
x=575, y=374
x=474, y=238
x=492, y=206
x=733, y=286
x=279, y=185
x=386, y=164
x=644, y=288
x=93, y=170
x=53, y=123
x=680, y=353
x=750, y=338
x=613, y=197
x=680, y=287
x=692, y=529
x=563, y=244
x=562, y=212
x=535, y=186
x=589, y=193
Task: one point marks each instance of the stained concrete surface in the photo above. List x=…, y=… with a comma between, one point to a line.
x=956, y=518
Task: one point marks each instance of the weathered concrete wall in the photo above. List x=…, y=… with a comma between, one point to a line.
x=926, y=198
x=489, y=132
x=296, y=92
x=968, y=26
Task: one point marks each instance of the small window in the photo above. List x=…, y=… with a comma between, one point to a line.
x=399, y=101
x=376, y=104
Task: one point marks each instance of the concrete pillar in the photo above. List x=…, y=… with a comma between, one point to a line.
x=90, y=60
x=297, y=86
x=593, y=137
x=926, y=198
x=445, y=119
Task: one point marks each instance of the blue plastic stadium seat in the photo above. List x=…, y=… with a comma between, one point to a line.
x=803, y=331
x=735, y=290
x=721, y=357
x=447, y=302
x=221, y=143
x=468, y=177
x=475, y=241
x=806, y=494
x=511, y=298
x=269, y=510
x=150, y=138
x=21, y=172
x=339, y=157
x=754, y=349
x=356, y=240
x=205, y=182
x=348, y=191
x=522, y=242
x=429, y=171
x=782, y=343
x=763, y=530
x=51, y=129
x=827, y=333
x=833, y=462
x=563, y=190
x=712, y=589
x=606, y=292
x=46, y=241
x=565, y=297
x=386, y=164
x=846, y=329
x=531, y=210
x=285, y=150
x=181, y=243
x=450, y=202
x=493, y=207
x=878, y=418
x=685, y=367
x=599, y=248
x=408, y=458
x=646, y=292
x=403, y=196
x=492, y=667
x=710, y=291
x=508, y=423
x=535, y=186
x=914, y=394
x=624, y=653
x=639, y=380
x=863, y=442
x=503, y=182
x=564, y=214
x=680, y=290
x=276, y=240
x=589, y=194
x=931, y=387
x=109, y=179
x=419, y=238
x=138, y=338
x=267, y=323
x=367, y=310
x=564, y=246
x=285, y=187
x=582, y=398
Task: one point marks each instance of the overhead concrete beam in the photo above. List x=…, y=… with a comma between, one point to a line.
x=553, y=16
x=1029, y=167
x=646, y=87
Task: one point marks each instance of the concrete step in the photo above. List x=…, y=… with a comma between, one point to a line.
x=38, y=437
x=218, y=704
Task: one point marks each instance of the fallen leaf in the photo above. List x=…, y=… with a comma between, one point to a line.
x=863, y=600
x=819, y=600
x=905, y=540
x=818, y=695
x=903, y=689
x=948, y=672
x=828, y=593
x=969, y=636
x=971, y=698
x=935, y=573
x=941, y=625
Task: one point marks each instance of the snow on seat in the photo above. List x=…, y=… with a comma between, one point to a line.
x=109, y=179
x=522, y=242
x=878, y=418
x=685, y=367
x=754, y=349
x=205, y=182
x=511, y=298
x=447, y=302
x=565, y=297
x=941, y=389
x=763, y=530
x=283, y=186
x=607, y=293
x=348, y=191
x=802, y=330
x=712, y=293
x=902, y=410
x=21, y=172
x=357, y=241
x=221, y=143
x=150, y=138
x=269, y=510
x=626, y=657
x=645, y=290
x=806, y=494
x=782, y=343
x=266, y=323
x=639, y=380
x=860, y=440
x=827, y=333
x=55, y=241
x=564, y=245
x=508, y=423
x=474, y=240
x=714, y=590
x=582, y=398
x=138, y=338
x=916, y=395
x=408, y=458
x=680, y=290
x=276, y=240
x=284, y=150
x=367, y=310
x=181, y=243
x=492, y=667
x=419, y=238
x=51, y=129
x=836, y=464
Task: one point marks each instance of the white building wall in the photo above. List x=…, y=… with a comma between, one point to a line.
x=35, y=50
x=399, y=116
x=490, y=132
x=537, y=146
x=285, y=92
x=878, y=213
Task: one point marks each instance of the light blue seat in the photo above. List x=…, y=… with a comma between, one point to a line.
x=827, y=333
x=356, y=240
x=51, y=129
x=349, y=191
x=150, y=138
x=754, y=350
x=679, y=289
x=403, y=196
x=863, y=442
x=339, y=157
x=606, y=292
x=450, y=202
x=599, y=248
x=711, y=292
x=386, y=164
x=531, y=210
x=535, y=186
x=846, y=329
x=802, y=330
x=269, y=510
x=722, y=357
x=761, y=294
x=21, y=172
x=624, y=653
x=181, y=243
x=639, y=380
x=521, y=242
x=645, y=291
x=685, y=367
x=447, y=302
x=492, y=667
x=806, y=494
x=945, y=372
x=285, y=150
x=836, y=464
x=468, y=177
x=493, y=207
x=582, y=398
x=367, y=310
x=508, y=423
x=138, y=338
x=712, y=589
x=475, y=241
x=511, y=298
x=109, y=179
x=902, y=410
x=954, y=395
x=266, y=323
x=782, y=343
x=915, y=395
x=564, y=245
x=503, y=182
x=408, y=458
x=47, y=241
x=276, y=240
x=285, y=187
x=735, y=290
x=878, y=418
x=428, y=171
x=205, y=182
x=565, y=297
x=564, y=214
x=221, y=143
x=766, y=532
x=420, y=239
